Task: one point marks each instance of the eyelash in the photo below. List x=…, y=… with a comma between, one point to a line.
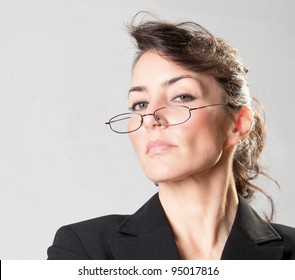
x=144, y=104
x=192, y=98
x=133, y=107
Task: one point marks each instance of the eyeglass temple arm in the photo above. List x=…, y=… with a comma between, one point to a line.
x=205, y=106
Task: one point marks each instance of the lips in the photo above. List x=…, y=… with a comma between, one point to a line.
x=158, y=146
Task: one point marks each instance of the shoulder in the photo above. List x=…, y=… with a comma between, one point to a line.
x=92, y=239
x=95, y=225
x=86, y=239
x=100, y=227
x=287, y=234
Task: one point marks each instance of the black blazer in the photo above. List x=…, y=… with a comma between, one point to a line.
x=146, y=235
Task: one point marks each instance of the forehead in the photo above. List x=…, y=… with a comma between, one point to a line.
x=153, y=70
x=152, y=64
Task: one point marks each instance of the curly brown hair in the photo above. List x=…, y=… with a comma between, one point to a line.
x=191, y=46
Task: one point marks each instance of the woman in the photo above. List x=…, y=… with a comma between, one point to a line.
x=198, y=136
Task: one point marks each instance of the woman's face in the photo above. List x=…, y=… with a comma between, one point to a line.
x=171, y=153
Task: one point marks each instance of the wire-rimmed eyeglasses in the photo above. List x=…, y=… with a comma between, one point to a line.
x=164, y=116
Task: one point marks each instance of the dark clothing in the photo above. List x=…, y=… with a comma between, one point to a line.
x=146, y=235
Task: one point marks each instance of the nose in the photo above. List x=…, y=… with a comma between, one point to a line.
x=149, y=121
x=156, y=119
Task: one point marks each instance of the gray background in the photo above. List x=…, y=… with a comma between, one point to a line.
x=65, y=69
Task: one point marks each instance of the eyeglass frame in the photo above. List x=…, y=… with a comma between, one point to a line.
x=155, y=117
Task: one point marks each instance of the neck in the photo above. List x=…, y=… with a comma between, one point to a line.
x=201, y=211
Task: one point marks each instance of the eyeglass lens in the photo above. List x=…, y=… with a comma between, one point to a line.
x=166, y=116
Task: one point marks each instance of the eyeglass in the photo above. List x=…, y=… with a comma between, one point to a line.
x=165, y=116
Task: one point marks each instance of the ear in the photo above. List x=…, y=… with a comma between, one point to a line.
x=241, y=126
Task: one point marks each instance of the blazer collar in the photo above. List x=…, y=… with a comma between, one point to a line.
x=251, y=237
x=147, y=235
x=151, y=235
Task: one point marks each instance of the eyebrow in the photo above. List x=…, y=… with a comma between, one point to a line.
x=137, y=88
x=164, y=84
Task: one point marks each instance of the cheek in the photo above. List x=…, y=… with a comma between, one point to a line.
x=132, y=139
x=136, y=140
x=206, y=131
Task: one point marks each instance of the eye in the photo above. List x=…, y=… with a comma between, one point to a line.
x=184, y=98
x=138, y=106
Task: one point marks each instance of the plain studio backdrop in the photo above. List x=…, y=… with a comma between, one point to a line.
x=65, y=68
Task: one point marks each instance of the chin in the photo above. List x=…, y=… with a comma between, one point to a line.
x=164, y=174
x=160, y=175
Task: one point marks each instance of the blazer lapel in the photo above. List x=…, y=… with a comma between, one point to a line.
x=145, y=235
x=251, y=238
